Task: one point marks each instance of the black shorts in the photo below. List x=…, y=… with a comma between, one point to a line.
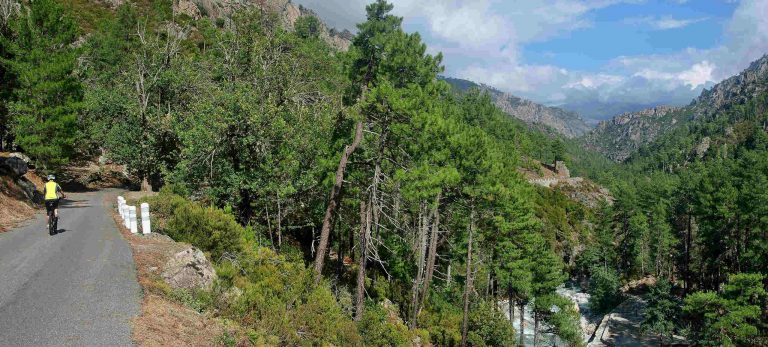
x=51, y=205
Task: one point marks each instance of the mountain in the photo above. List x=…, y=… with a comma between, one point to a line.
x=89, y=13
x=595, y=111
x=622, y=135
x=618, y=137
x=569, y=124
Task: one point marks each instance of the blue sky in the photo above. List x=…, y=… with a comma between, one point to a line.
x=561, y=52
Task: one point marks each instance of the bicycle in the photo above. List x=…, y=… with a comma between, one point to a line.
x=53, y=220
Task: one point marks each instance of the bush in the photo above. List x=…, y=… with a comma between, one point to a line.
x=604, y=289
x=277, y=299
x=489, y=327
x=378, y=328
x=207, y=228
x=442, y=318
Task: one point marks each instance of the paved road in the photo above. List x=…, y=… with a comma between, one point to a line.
x=77, y=288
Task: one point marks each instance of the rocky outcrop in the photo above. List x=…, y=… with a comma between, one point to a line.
x=621, y=136
x=564, y=122
x=13, y=166
x=617, y=138
x=288, y=12
x=735, y=90
x=558, y=177
x=189, y=269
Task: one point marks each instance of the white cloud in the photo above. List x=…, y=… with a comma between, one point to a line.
x=698, y=75
x=663, y=23
x=482, y=41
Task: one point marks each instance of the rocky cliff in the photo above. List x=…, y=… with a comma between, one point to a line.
x=617, y=138
x=286, y=10
x=564, y=122
x=733, y=91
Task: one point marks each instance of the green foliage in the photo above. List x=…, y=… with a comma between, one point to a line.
x=662, y=314
x=307, y=27
x=489, y=327
x=208, y=228
x=47, y=96
x=380, y=327
x=735, y=317
x=559, y=313
x=604, y=289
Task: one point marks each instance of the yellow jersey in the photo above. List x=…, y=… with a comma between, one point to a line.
x=50, y=190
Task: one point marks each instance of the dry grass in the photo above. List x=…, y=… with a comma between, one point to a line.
x=14, y=205
x=164, y=322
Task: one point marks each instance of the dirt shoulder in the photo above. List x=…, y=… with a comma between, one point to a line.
x=15, y=205
x=163, y=322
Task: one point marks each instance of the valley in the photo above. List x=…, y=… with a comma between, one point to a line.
x=338, y=187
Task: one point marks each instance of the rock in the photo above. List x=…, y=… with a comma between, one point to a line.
x=29, y=189
x=21, y=156
x=14, y=166
x=188, y=8
x=703, y=147
x=189, y=269
x=158, y=236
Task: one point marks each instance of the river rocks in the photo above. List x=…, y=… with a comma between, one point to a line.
x=13, y=166
x=189, y=269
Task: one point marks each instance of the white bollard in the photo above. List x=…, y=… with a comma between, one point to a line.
x=133, y=224
x=145, y=227
x=126, y=215
x=120, y=203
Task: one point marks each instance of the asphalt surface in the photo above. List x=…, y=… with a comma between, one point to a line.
x=76, y=288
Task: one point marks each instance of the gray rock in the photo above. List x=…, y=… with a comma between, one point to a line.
x=14, y=166
x=158, y=236
x=29, y=189
x=189, y=269
x=20, y=156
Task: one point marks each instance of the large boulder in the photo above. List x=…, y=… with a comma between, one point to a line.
x=189, y=269
x=13, y=166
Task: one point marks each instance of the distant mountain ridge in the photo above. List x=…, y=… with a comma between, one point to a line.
x=567, y=123
x=620, y=136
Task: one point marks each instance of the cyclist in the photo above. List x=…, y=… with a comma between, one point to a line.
x=51, y=192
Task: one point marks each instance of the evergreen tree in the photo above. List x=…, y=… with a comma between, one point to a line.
x=662, y=312
x=48, y=94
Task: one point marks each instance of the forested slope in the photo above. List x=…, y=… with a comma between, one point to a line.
x=359, y=173
x=354, y=188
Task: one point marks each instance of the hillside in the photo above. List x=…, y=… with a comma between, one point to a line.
x=568, y=124
x=619, y=137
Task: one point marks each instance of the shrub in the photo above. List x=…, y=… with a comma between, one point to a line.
x=489, y=327
x=604, y=289
x=207, y=228
x=378, y=329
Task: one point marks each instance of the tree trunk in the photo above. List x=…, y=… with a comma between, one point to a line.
x=432, y=256
x=535, y=329
x=522, y=324
x=511, y=307
x=468, y=284
x=420, y=249
x=365, y=229
x=333, y=202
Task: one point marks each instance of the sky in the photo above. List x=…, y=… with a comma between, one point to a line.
x=567, y=52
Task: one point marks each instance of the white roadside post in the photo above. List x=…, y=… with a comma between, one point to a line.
x=120, y=203
x=133, y=225
x=145, y=227
x=126, y=215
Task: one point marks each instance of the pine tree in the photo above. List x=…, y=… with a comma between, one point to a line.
x=48, y=95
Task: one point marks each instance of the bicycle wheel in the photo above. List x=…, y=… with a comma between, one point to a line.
x=51, y=223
